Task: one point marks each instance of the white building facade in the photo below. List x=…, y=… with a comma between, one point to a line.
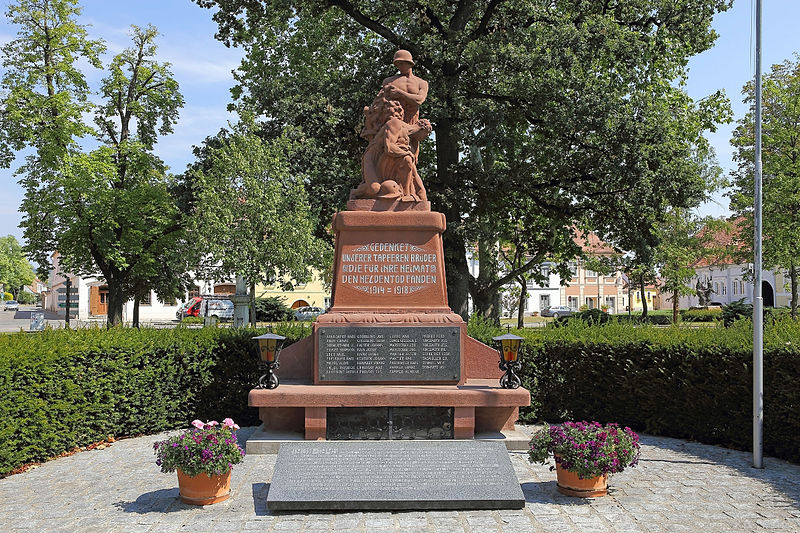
x=89, y=298
x=730, y=283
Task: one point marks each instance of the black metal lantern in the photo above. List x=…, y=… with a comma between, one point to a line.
x=269, y=346
x=510, y=360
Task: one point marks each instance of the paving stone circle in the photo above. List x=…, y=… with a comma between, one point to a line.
x=678, y=486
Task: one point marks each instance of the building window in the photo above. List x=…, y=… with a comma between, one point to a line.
x=573, y=268
x=591, y=273
x=716, y=288
x=572, y=301
x=724, y=287
x=146, y=299
x=193, y=292
x=735, y=287
x=544, y=301
x=531, y=283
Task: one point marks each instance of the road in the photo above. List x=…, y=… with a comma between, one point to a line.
x=21, y=319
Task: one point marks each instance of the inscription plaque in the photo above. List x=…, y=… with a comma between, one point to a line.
x=394, y=475
x=385, y=353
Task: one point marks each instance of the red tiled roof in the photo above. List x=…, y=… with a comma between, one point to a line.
x=727, y=242
x=592, y=244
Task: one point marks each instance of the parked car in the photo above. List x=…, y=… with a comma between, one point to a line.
x=222, y=309
x=11, y=305
x=308, y=313
x=190, y=308
x=556, y=311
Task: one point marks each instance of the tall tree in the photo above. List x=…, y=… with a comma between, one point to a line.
x=781, y=170
x=252, y=215
x=44, y=94
x=109, y=209
x=574, y=106
x=684, y=239
x=15, y=270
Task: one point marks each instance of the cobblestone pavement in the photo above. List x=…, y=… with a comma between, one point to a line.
x=678, y=486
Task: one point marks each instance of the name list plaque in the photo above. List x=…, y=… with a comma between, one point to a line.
x=389, y=353
x=392, y=475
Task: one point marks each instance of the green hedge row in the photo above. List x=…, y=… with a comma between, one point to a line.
x=65, y=388
x=701, y=315
x=678, y=382
x=60, y=388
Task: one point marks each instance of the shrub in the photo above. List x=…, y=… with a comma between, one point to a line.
x=679, y=382
x=711, y=314
x=64, y=388
x=736, y=311
x=590, y=316
x=483, y=329
x=272, y=309
x=27, y=298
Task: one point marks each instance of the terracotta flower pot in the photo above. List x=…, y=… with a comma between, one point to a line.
x=571, y=485
x=203, y=489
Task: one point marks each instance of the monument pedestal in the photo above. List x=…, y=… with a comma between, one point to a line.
x=390, y=343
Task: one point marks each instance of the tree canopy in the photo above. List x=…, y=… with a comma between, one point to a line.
x=574, y=110
x=251, y=214
x=15, y=270
x=109, y=210
x=780, y=168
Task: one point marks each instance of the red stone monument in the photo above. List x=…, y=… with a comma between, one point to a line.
x=390, y=345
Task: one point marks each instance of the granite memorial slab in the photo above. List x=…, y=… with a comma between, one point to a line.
x=389, y=353
x=391, y=475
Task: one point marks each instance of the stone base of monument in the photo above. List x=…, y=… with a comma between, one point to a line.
x=476, y=406
x=265, y=441
x=391, y=475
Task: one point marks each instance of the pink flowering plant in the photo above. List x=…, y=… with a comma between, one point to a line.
x=208, y=447
x=589, y=449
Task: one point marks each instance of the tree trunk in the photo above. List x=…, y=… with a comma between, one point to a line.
x=487, y=300
x=643, y=291
x=675, y=306
x=136, y=300
x=523, y=295
x=793, y=271
x=115, y=302
x=253, y=304
x=456, y=269
x=487, y=304
x=456, y=273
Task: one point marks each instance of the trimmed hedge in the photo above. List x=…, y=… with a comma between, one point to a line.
x=65, y=388
x=678, y=382
x=701, y=315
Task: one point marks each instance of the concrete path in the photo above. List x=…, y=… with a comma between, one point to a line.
x=678, y=486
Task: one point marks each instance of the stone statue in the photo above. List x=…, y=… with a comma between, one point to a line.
x=394, y=130
x=704, y=292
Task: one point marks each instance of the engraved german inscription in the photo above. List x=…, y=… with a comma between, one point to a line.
x=375, y=353
x=388, y=268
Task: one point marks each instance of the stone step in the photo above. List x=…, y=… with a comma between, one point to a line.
x=266, y=441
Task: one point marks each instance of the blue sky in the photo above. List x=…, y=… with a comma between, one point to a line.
x=203, y=68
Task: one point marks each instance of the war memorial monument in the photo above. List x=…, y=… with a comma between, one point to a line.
x=389, y=368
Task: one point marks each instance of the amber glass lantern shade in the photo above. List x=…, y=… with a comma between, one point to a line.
x=510, y=346
x=269, y=347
